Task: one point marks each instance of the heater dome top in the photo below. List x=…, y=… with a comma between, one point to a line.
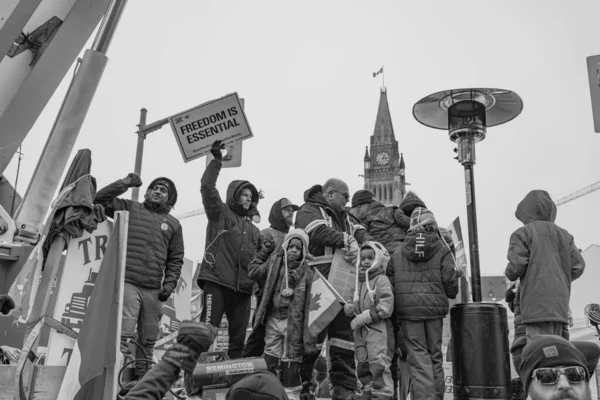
x=501, y=106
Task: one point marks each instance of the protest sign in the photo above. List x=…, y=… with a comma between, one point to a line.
x=222, y=119
x=342, y=275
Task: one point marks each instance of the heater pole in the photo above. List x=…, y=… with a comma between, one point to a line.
x=473, y=238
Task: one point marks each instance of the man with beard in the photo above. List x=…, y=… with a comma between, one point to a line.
x=231, y=242
x=324, y=218
x=553, y=369
x=281, y=219
x=154, y=257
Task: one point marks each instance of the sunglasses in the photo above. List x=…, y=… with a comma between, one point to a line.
x=550, y=376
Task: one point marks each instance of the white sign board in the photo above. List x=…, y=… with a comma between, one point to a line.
x=196, y=129
x=84, y=256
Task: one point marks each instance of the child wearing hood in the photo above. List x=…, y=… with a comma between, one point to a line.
x=424, y=277
x=372, y=307
x=285, y=299
x=544, y=257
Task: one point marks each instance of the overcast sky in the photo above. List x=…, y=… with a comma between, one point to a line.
x=305, y=71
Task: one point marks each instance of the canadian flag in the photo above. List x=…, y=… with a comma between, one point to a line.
x=325, y=304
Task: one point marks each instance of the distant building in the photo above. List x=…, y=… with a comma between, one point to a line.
x=383, y=164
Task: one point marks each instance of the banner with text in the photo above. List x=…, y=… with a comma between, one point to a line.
x=82, y=263
x=222, y=119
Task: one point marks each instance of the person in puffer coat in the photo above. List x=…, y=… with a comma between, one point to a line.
x=424, y=277
x=284, y=304
x=372, y=307
x=154, y=257
x=387, y=225
x=231, y=241
x=281, y=219
x=546, y=260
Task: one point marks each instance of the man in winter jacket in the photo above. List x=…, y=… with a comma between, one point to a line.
x=544, y=257
x=154, y=256
x=231, y=241
x=423, y=275
x=281, y=219
x=387, y=225
x=323, y=216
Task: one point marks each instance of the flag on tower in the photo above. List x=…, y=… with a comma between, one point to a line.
x=325, y=304
x=378, y=72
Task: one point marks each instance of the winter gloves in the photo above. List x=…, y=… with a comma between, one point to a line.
x=361, y=319
x=164, y=294
x=352, y=248
x=132, y=180
x=194, y=338
x=216, y=148
x=6, y=304
x=267, y=248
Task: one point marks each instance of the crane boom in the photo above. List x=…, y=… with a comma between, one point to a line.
x=190, y=214
x=581, y=192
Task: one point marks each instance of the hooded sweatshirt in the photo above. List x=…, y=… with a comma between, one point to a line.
x=272, y=271
x=545, y=258
x=154, y=237
x=423, y=275
x=231, y=237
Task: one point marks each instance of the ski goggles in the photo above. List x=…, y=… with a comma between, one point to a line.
x=550, y=376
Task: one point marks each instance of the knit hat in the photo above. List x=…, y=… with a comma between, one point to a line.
x=549, y=351
x=260, y=385
x=410, y=201
x=362, y=197
x=420, y=218
x=170, y=185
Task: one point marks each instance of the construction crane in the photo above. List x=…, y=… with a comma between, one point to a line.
x=191, y=214
x=575, y=195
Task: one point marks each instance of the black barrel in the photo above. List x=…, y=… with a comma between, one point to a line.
x=481, y=360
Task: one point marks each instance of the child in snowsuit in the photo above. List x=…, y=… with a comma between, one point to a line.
x=282, y=309
x=372, y=307
x=424, y=277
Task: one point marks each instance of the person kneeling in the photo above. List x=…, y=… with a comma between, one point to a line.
x=286, y=296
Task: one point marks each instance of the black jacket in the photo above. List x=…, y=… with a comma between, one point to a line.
x=154, y=238
x=231, y=237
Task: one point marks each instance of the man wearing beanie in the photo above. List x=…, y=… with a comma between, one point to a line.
x=387, y=225
x=231, y=241
x=281, y=219
x=546, y=260
x=552, y=369
x=154, y=257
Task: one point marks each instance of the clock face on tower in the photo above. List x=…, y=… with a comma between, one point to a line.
x=383, y=158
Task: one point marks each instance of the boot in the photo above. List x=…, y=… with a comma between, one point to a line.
x=341, y=393
x=305, y=393
x=272, y=363
x=290, y=374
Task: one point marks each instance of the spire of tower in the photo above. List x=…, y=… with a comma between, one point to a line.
x=384, y=131
x=367, y=158
x=401, y=160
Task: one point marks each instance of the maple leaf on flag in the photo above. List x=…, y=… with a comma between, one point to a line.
x=314, y=302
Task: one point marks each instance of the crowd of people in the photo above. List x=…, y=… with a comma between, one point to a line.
x=405, y=275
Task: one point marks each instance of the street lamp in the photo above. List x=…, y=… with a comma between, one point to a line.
x=466, y=114
x=480, y=363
